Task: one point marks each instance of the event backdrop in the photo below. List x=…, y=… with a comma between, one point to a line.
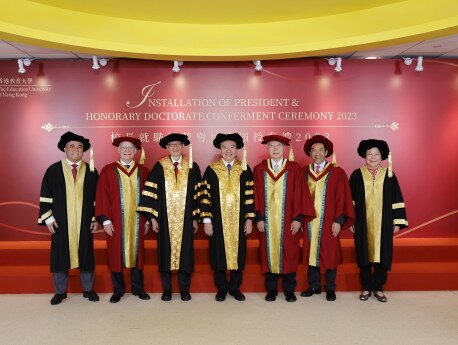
x=416, y=113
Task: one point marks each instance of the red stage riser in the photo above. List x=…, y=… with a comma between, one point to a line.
x=419, y=264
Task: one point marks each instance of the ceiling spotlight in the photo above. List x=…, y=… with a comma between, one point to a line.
x=407, y=61
x=176, y=66
x=336, y=61
x=419, y=67
x=23, y=62
x=97, y=62
x=257, y=65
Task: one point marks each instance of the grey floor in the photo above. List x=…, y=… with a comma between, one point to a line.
x=427, y=317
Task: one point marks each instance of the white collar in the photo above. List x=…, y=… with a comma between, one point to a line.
x=70, y=163
x=319, y=165
x=129, y=164
x=279, y=163
x=226, y=163
x=178, y=160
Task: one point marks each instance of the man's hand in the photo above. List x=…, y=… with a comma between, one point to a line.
x=295, y=226
x=147, y=227
x=396, y=228
x=109, y=229
x=51, y=227
x=154, y=225
x=195, y=225
x=94, y=227
x=336, y=229
x=208, y=228
x=261, y=226
x=352, y=228
x=248, y=228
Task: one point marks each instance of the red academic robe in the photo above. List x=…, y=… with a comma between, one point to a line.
x=108, y=204
x=337, y=202
x=297, y=201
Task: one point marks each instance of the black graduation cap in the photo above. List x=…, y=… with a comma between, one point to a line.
x=235, y=137
x=368, y=144
x=70, y=136
x=174, y=137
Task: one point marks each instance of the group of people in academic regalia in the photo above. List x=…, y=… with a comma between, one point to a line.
x=284, y=202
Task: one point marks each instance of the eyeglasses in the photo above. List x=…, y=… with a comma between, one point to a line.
x=375, y=155
x=127, y=148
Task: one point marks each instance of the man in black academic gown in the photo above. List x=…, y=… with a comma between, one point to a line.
x=170, y=200
x=227, y=211
x=67, y=208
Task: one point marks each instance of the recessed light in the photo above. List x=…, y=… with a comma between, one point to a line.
x=371, y=57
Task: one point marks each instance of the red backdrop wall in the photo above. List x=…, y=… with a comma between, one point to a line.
x=416, y=113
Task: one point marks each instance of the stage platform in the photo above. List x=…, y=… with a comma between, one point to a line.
x=418, y=264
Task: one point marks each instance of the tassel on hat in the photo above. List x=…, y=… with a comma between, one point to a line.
x=190, y=156
x=143, y=156
x=91, y=160
x=390, y=165
x=244, y=164
x=334, y=160
x=291, y=154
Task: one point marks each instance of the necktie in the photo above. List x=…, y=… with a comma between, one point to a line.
x=127, y=166
x=276, y=167
x=74, y=166
x=229, y=166
x=317, y=169
x=175, y=164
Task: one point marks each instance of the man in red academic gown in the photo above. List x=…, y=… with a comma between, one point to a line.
x=118, y=194
x=331, y=194
x=282, y=201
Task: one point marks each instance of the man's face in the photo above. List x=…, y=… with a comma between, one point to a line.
x=228, y=149
x=373, y=158
x=318, y=153
x=175, y=148
x=126, y=151
x=276, y=149
x=74, y=151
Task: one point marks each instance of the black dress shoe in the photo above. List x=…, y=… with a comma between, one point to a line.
x=166, y=296
x=330, y=295
x=237, y=295
x=220, y=295
x=380, y=296
x=271, y=296
x=365, y=296
x=310, y=292
x=290, y=296
x=142, y=295
x=185, y=295
x=91, y=295
x=116, y=297
x=58, y=297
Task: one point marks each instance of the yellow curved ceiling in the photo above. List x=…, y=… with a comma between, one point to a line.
x=215, y=30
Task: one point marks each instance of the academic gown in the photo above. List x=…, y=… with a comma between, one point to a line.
x=122, y=251
x=227, y=198
x=53, y=202
x=332, y=198
x=283, y=197
x=173, y=201
x=389, y=205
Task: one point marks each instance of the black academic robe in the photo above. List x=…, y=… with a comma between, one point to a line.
x=53, y=200
x=392, y=215
x=212, y=209
x=157, y=207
